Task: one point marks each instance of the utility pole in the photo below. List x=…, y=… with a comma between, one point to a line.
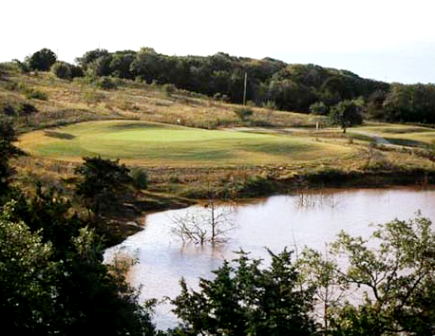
x=244, y=91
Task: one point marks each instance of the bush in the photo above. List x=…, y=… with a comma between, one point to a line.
x=61, y=70
x=243, y=113
x=319, y=108
x=139, y=177
x=8, y=110
x=258, y=186
x=22, y=67
x=26, y=109
x=76, y=71
x=106, y=83
x=168, y=89
x=36, y=94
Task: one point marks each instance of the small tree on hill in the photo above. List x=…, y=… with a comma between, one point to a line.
x=42, y=60
x=346, y=114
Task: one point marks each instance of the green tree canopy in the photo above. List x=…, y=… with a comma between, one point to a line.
x=102, y=181
x=247, y=299
x=7, y=151
x=42, y=60
x=346, y=114
x=381, y=286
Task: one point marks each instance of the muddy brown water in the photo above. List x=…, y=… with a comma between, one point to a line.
x=293, y=221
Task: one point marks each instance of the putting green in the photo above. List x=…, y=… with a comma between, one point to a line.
x=156, y=144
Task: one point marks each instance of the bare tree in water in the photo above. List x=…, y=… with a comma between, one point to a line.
x=210, y=225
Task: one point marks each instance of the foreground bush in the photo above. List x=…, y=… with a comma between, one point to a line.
x=247, y=299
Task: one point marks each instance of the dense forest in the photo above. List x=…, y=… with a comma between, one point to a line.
x=305, y=88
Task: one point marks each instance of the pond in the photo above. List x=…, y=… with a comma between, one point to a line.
x=311, y=219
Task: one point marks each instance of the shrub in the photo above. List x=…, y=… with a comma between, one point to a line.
x=319, y=108
x=76, y=71
x=26, y=109
x=36, y=94
x=258, y=186
x=91, y=96
x=168, y=89
x=139, y=177
x=8, y=110
x=106, y=83
x=61, y=70
x=243, y=113
x=22, y=67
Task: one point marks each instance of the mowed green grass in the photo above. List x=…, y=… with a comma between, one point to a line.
x=153, y=144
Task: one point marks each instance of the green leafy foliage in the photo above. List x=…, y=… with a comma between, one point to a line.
x=319, y=108
x=7, y=151
x=36, y=94
x=346, y=114
x=139, y=178
x=42, y=60
x=106, y=83
x=61, y=70
x=27, y=278
x=102, y=181
x=91, y=56
x=410, y=103
x=289, y=87
x=52, y=275
x=392, y=275
x=247, y=299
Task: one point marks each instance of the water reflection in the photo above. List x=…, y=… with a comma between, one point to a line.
x=312, y=219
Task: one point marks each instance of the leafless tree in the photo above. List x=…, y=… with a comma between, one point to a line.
x=209, y=225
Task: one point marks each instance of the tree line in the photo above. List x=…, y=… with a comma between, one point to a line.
x=305, y=88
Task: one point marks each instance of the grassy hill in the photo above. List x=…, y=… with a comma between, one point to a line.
x=189, y=142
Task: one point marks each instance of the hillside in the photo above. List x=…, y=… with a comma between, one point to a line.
x=287, y=150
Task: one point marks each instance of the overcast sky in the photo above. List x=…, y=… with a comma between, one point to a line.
x=379, y=39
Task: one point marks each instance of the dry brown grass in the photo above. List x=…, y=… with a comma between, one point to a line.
x=134, y=100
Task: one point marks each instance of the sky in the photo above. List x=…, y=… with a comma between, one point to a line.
x=393, y=41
